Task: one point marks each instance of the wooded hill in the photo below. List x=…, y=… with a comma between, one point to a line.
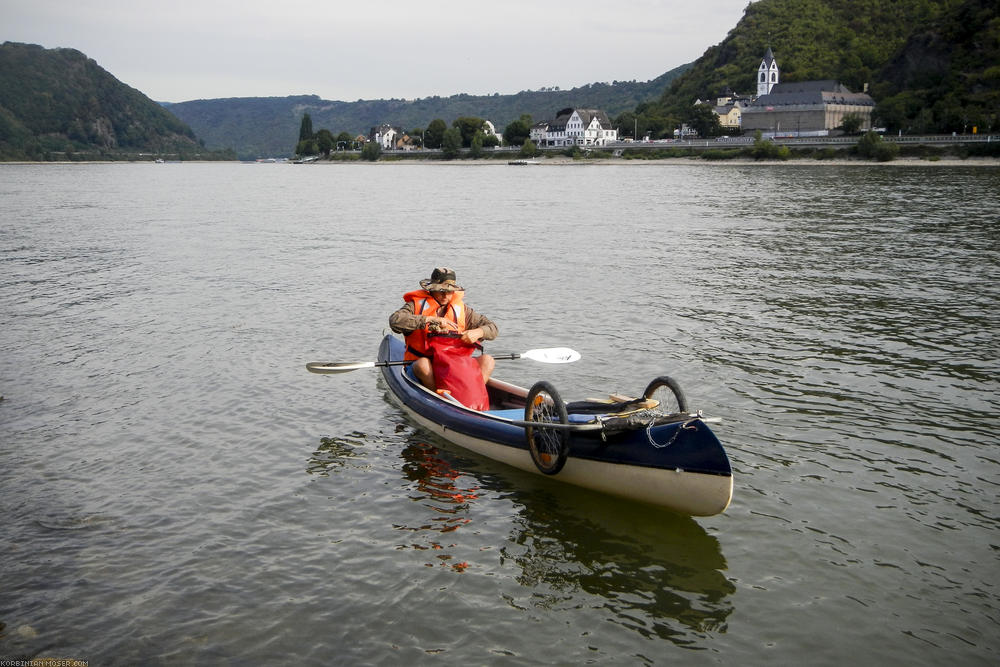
x=269, y=126
x=932, y=66
x=57, y=104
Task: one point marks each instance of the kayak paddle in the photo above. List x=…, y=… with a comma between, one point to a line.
x=549, y=355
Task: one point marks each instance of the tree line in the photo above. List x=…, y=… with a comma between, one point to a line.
x=472, y=133
x=467, y=132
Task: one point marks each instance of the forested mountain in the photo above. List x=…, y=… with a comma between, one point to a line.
x=931, y=65
x=59, y=104
x=269, y=126
x=947, y=76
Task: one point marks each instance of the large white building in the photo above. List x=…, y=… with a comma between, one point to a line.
x=801, y=108
x=575, y=127
x=385, y=136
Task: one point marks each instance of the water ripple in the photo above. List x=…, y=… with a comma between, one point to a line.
x=166, y=460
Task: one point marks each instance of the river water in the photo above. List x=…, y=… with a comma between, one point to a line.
x=175, y=488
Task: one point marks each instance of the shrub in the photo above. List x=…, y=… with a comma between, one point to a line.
x=371, y=152
x=721, y=154
x=886, y=151
x=984, y=149
x=872, y=146
x=763, y=149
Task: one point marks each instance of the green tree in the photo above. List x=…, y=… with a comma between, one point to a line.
x=306, y=128
x=890, y=113
x=344, y=141
x=325, y=141
x=871, y=145
x=372, y=151
x=652, y=120
x=851, y=123
x=451, y=143
x=702, y=118
x=468, y=126
x=765, y=149
x=626, y=123
x=435, y=133
x=307, y=147
x=529, y=149
x=476, y=145
x=518, y=131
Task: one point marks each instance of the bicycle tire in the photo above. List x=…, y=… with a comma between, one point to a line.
x=549, y=447
x=666, y=390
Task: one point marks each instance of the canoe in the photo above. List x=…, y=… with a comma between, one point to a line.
x=620, y=446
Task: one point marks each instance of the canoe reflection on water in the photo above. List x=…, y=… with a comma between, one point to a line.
x=544, y=546
x=660, y=573
x=338, y=452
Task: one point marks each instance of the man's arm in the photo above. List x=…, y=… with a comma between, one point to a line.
x=474, y=320
x=404, y=321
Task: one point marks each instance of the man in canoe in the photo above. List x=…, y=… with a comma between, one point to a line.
x=438, y=307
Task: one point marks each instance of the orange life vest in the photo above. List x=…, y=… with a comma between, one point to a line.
x=424, y=304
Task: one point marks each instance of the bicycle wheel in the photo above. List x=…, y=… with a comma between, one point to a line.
x=549, y=447
x=668, y=394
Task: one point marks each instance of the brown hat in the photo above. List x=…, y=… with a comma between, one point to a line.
x=441, y=280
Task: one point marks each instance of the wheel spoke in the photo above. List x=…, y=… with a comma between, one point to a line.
x=668, y=395
x=549, y=447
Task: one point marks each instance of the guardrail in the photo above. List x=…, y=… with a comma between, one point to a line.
x=722, y=142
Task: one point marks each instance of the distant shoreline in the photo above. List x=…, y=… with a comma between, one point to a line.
x=688, y=161
x=567, y=161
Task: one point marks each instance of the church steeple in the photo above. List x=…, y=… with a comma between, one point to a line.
x=767, y=73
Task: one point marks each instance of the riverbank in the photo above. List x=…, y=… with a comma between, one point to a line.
x=688, y=161
x=562, y=161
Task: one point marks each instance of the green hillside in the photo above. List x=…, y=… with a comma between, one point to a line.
x=947, y=76
x=931, y=65
x=57, y=104
x=269, y=126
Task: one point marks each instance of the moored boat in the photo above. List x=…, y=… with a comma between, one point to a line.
x=649, y=449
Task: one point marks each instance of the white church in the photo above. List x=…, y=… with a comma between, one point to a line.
x=801, y=108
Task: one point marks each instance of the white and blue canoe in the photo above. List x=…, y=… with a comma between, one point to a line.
x=648, y=449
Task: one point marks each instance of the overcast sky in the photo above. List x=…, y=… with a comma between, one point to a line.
x=349, y=50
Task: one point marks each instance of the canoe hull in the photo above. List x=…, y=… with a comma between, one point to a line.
x=684, y=470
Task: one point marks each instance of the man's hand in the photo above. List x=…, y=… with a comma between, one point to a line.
x=442, y=323
x=472, y=336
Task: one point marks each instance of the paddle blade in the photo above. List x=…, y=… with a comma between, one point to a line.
x=552, y=355
x=324, y=367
